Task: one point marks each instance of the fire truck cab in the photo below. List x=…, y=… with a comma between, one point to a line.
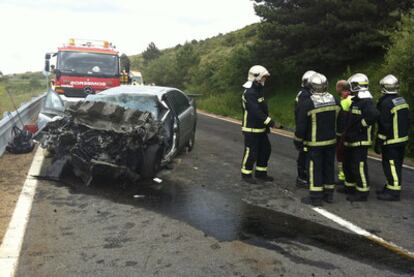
x=83, y=67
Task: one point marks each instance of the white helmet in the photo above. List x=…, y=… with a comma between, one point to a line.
x=358, y=82
x=390, y=85
x=305, y=78
x=256, y=73
x=318, y=83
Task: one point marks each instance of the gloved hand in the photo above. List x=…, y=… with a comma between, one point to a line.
x=271, y=124
x=378, y=146
x=298, y=145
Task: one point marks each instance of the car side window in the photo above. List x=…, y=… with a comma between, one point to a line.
x=180, y=101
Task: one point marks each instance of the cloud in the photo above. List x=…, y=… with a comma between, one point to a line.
x=32, y=28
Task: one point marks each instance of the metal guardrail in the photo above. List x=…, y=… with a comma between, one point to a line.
x=28, y=112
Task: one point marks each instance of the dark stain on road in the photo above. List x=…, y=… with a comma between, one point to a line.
x=226, y=217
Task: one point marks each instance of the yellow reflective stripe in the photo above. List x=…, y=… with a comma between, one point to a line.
x=329, y=186
x=320, y=143
x=359, y=143
x=314, y=127
x=355, y=111
x=350, y=185
x=246, y=156
x=369, y=131
x=324, y=109
x=367, y=142
x=396, y=180
x=395, y=125
x=253, y=130
x=260, y=100
x=381, y=136
x=364, y=123
x=311, y=179
x=267, y=121
x=363, y=178
x=259, y=168
x=245, y=111
x=395, y=119
x=398, y=140
x=245, y=171
x=341, y=174
x=400, y=107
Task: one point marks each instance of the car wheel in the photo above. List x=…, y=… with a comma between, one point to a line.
x=191, y=141
x=151, y=162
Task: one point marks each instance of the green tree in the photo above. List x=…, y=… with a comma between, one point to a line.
x=325, y=34
x=187, y=59
x=399, y=61
x=151, y=53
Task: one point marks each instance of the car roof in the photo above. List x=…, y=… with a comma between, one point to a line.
x=149, y=90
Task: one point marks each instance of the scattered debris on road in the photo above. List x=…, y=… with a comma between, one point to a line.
x=101, y=139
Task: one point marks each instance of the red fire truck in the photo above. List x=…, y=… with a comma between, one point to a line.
x=84, y=67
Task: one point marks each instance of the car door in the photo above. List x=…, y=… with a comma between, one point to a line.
x=185, y=113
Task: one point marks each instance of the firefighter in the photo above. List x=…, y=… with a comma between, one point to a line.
x=304, y=94
x=392, y=137
x=343, y=91
x=256, y=125
x=316, y=130
x=357, y=138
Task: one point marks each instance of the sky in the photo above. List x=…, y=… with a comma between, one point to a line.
x=30, y=28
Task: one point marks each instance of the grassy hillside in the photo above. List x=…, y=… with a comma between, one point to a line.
x=224, y=56
x=22, y=87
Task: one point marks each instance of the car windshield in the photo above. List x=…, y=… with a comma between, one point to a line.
x=143, y=103
x=93, y=64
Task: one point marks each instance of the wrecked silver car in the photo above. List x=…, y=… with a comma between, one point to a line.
x=127, y=132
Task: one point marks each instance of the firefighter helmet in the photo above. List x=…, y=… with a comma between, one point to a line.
x=390, y=84
x=358, y=82
x=305, y=78
x=256, y=73
x=318, y=84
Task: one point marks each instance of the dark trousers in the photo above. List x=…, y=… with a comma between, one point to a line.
x=301, y=163
x=392, y=162
x=257, y=151
x=356, y=169
x=321, y=170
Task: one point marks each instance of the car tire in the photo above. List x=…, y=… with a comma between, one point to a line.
x=191, y=141
x=151, y=162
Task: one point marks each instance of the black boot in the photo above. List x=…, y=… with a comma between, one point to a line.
x=316, y=202
x=387, y=196
x=382, y=190
x=249, y=179
x=357, y=197
x=328, y=197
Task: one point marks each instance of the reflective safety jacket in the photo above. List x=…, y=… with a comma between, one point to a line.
x=255, y=110
x=343, y=114
x=316, y=120
x=358, y=126
x=394, y=120
x=303, y=94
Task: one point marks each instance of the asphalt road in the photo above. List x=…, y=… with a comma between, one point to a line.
x=202, y=220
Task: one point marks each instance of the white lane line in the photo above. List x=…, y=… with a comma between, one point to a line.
x=13, y=239
x=285, y=134
x=359, y=231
